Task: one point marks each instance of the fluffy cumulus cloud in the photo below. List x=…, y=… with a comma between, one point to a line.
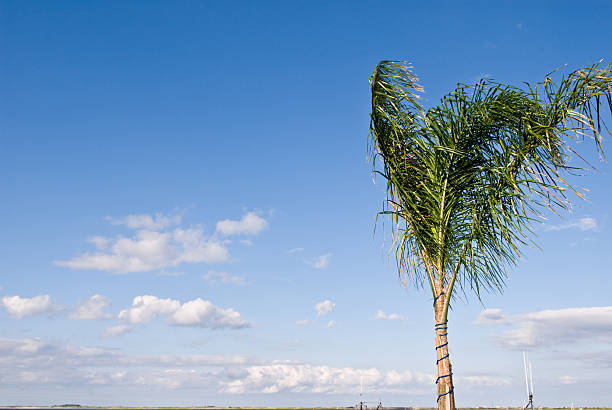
x=144, y=308
x=91, y=309
x=203, y=313
x=550, y=327
x=381, y=315
x=324, y=307
x=582, y=224
x=249, y=224
x=19, y=307
x=197, y=312
x=158, y=242
x=305, y=378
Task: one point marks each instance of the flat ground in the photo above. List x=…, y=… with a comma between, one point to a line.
x=285, y=408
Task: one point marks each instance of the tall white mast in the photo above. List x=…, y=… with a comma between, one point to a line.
x=526, y=375
x=530, y=377
x=528, y=380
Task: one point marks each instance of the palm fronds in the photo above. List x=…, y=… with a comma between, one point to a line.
x=466, y=178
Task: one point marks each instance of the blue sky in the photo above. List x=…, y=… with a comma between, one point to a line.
x=188, y=209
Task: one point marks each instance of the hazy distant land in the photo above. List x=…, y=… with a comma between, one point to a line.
x=85, y=407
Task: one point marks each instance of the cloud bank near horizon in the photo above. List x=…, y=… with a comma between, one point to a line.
x=549, y=327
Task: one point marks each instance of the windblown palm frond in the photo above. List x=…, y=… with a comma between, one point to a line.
x=466, y=178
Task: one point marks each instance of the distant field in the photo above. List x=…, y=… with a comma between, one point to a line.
x=279, y=408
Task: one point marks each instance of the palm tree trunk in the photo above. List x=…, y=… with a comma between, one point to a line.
x=444, y=382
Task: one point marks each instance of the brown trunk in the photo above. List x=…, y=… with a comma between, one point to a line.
x=446, y=396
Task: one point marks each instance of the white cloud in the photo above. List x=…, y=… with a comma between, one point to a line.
x=324, y=307
x=21, y=346
x=331, y=323
x=302, y=322
x=491, y=316
x=321, y=261
x=197, y=312
x=551, y=327
x=33, y=363
x=249, y=224
x=223, y=277
x=151, y=247
x=194, y=313
x=148, y=222
x=380, y=315
x=305, y=378
x=196, y=248
x=203, y=313
x=246, y=242
x=19, y=307
x=100, y=242
x=294, y=250
x=18, y=349
x=145, y=308
x=92, y=308
x=117, y=330
x=583, y=224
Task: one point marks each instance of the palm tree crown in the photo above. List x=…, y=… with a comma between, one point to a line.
x=466, y=178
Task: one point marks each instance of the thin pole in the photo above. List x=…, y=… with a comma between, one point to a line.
x=526, y=378
x=531, y=377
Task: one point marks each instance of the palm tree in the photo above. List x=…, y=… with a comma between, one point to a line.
x=466, y=179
